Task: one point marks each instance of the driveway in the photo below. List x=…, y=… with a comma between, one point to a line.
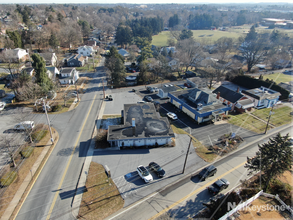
x=123, y=164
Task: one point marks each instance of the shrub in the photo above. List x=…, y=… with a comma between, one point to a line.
x=102, y=135
x=56, y=108
x=39, y=135
x=8, y=178
x=27, y=151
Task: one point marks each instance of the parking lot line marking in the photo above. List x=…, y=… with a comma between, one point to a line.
x=194, y=192
x=68, y=163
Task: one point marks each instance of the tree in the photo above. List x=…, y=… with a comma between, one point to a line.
x=53, y=41
x=85, y=27
x=42, y=78
x=142, y=77
x=8, y=144
x=146, y=52
x=272, y=159
x=173, y=21
x=253, y=48
x=60, y=17
x=224, y=45
x=186, y=34
x=15, y=37
x=123, y=35
x=118, y=73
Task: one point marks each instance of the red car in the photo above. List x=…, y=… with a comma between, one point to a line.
x=187, y=85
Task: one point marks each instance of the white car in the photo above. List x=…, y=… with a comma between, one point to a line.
x=172, y=115
x=144, y=174
x=25, y=125
x=2, y=105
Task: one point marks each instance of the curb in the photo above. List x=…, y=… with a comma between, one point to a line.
x=192, y=174
x=86, y=165
x=28, y=179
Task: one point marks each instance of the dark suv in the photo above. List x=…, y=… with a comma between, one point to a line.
x=207, y=172
x=218, y=186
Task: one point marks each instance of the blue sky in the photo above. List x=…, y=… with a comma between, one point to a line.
x=137, y=1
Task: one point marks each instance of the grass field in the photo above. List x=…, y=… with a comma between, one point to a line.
x=279, y=77
x=209, y=36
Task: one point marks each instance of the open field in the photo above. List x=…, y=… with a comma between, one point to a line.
x=279, y=77
x=209, y=36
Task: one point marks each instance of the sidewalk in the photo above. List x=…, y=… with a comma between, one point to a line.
x=28, y=179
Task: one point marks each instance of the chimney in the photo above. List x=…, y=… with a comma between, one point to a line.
x=237, y=89
x=218, y=95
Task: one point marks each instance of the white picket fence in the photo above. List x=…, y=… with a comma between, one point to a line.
x=247, y=202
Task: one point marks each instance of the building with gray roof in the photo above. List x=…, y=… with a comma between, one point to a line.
x=142, y=126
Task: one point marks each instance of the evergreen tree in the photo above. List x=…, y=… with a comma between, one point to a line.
x=53, y=41
x=272, y=159
x=186, y=34
x=164, y=52
x=123, y=35
x=15, y=37
x=173, y=21
x=252, y=35
x=42, y=78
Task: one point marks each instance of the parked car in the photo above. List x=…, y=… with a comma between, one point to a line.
x=149, y=99
x=2, y=105
x=25, y=125
x=172, y=115
x=187, y=85
x=207, y=172
x=218, y=186
x=144, y=173
x=155, y=89
x=141, y=102
x=157, y=169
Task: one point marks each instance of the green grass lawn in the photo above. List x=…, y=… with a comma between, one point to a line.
x=248, y=122
x=280, y=116
x=209, y=36
x=279, y=77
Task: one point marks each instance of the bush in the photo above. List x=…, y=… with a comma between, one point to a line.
x=8, y=178
x=27, y=151
x=39, y=135
x=56, y=108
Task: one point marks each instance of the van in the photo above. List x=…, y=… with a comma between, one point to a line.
x=25, y=125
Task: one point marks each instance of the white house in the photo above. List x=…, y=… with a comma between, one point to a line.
x=142, y=127
x=165, y=89
x=14, y=55
x=68, y=76
x=86, y=50
x=52, y=71
x=174, y=64
x=50, y=58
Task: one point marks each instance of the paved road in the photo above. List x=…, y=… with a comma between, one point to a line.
x=53, y=191
x=182, y=200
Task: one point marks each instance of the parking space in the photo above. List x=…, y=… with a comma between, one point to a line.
x=123, y=164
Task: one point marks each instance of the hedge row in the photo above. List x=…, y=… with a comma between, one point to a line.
x=8, y=178
x=252, y=83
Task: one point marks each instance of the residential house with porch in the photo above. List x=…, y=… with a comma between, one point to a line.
x=76, y=60
x=142, y=126
x=68, y=76
x=86, y=50
x=52, y=71
x=262, y=97
x=231, y=98
x=200, y=105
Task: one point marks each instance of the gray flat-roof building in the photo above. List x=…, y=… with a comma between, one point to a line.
x=142, y=126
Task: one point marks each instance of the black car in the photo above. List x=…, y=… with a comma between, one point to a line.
x=218, y=186
x=157, y=169
x=207, y=172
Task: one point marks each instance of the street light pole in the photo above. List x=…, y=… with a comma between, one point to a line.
x=271, y=112
x=186, y=156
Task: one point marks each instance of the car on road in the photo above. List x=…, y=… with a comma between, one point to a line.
x=172, y=116
x=207, y=172
x=144, y=173
x=157, y=169
x=218, y=186
x=149, y=99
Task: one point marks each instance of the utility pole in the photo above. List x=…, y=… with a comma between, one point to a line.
x=186, y=156
x=271, y=112
x=76, y=92
x=103, y=87
x=45, y=106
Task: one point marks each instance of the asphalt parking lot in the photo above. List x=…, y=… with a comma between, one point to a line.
x=123, y=164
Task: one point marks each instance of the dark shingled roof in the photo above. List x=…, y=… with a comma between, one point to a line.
x=148, y=123
x=228, y=94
